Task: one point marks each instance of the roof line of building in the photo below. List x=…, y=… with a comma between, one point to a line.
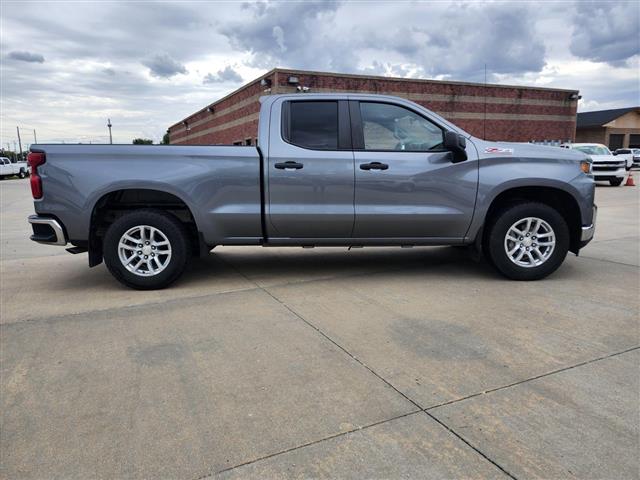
x=371, y=77
x=228, y=95
x=421, y=80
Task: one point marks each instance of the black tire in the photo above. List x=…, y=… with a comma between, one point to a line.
x=170, y=226
x=494, y=240
x=22, y=174
x=616, y=183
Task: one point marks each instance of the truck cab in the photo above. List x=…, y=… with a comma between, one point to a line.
x=363, y=170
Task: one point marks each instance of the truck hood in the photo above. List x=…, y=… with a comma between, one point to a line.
x=605, y=158
x=487, y=149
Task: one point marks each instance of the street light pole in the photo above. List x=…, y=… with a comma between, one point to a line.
x=109, y=125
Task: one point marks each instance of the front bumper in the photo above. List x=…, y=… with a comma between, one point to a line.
x=47, y=230
x=609, y=171
x=589, y=230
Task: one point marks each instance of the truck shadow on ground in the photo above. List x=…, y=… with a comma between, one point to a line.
x=272, y=266
x=231, y=268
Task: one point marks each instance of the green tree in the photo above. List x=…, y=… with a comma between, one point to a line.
x=142, y=141
x=165, y=139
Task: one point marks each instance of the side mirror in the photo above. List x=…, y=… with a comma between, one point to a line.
x=456, y=143
x=615, y=153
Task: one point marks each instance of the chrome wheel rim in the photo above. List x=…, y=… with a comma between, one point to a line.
x=144, y=250
x=529, y=242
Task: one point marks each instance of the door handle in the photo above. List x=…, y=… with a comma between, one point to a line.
x=289, y=166
x=374, y=166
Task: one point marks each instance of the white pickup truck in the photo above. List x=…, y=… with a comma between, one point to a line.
x=606, y=166
x=9, y=169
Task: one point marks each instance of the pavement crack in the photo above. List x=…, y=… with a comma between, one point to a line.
x=520, y=382
x=314, y=442
x=471, y=446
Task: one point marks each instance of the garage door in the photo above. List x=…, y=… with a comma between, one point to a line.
x=634, y=141
x=616, y=140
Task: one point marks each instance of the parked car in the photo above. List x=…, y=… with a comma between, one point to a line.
x=330, y=170
x=606, y=166
x=631, y=155
x=10, y=169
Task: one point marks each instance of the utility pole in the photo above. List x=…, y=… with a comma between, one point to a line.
x=35, y=139
x=109, y=125
x=19, y=142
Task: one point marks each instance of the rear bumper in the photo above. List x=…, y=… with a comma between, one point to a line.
x=47, y=230
x=589, y=230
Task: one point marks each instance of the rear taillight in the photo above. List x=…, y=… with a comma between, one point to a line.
x=35, y=159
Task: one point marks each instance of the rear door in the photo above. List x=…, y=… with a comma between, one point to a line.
x=406, y=184
x=310, y=170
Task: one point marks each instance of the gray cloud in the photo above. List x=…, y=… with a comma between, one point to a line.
x=606, y=31
x=227, y=74
x=307, y=35
x=293, y=34
x=26, y=57
x=162, y=65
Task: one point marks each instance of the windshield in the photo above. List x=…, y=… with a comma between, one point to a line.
x=593, y=149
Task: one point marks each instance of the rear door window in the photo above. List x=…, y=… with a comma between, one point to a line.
x=312, y=124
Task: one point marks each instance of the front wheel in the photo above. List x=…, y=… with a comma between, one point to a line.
x=527, y=241
x=146, y=249
x=616, y=182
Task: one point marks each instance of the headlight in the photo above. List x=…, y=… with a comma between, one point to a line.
x=585, y=166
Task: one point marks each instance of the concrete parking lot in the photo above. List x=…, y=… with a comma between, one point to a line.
x=369, y=363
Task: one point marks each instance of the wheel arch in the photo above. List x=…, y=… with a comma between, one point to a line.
x=559, y=199
x=114, y=203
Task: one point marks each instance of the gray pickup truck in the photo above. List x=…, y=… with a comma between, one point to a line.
x=329, y=170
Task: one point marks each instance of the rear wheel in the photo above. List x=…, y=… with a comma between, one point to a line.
x=146, y=249
x=527, y=241
x=22, y=174
x=616, y=182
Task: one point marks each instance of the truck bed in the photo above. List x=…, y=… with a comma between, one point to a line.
x=219, y=184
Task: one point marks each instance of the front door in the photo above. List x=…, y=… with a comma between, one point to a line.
x=310, y=170
x=406, y=185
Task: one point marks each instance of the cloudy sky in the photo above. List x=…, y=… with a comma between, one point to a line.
x=68, y=66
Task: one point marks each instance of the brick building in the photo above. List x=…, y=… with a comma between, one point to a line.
x=494, y=112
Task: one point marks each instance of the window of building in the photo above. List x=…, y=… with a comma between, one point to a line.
x=247, y=141
x=616, y=140
x=238, y=143
x=391, y=127
x=312, y=124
